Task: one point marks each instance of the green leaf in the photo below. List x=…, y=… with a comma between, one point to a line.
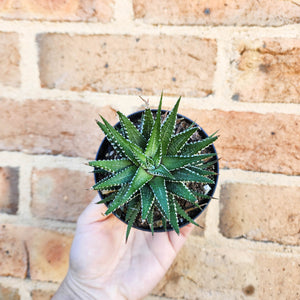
x=175, y=162
x=120, y=178
x=144, y=160
x=150, y=219
x=186, y=175
x=168, y=127
x=154, y=140
x=183, y=214
x=113, y=165
x=123, y=146
x=132, y=218
x=201, y=171
x=193, y=148
x=108, y=198
x=147, y=199
x=179, y=140
x=131, y=131
x=132, y=207
x=181, y=190
x=158, y=187
x=173, y=213
x=140, y=178
x=110, y=138
x=157, y=156
x=161, y=171
x=147, y=123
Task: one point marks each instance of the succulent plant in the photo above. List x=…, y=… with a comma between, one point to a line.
x=152, y=168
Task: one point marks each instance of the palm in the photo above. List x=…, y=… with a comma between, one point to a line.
x=100, y=256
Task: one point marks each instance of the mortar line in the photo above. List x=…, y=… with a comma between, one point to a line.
x=28, y=65
x=138, y=27
x=130, y=103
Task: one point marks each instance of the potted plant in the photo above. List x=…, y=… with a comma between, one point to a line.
x=155, y=170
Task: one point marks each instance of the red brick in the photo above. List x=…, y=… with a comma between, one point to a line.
x=253, y=141
x=268, y=71
x=52, y=127
x=201, y=271
x=216, y=12
x=48, y=254
x=42, y=295
x=58, y=10
x=9, y=193
x=13, y=254
x=260, y=212
x=60, y=194
x=8, y=293
x=9, y=59
x=128, y=64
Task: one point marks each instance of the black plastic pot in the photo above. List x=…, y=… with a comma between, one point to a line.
x=105, y=147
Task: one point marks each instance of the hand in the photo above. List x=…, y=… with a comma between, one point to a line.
x=103, y=266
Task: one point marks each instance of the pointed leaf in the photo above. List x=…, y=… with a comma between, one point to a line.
x=154, y=140
x=186, y=175
x=150, y=219
x=110, y=138
x=147, y=123
x=113, y=165
x=179, y=140
x=180, y=190
x=131, y=207
x=158, y=187
x=120, y=178
x=183, y=214
x=108, y=198
x=132, y=219
x=193, y=148
x=157, y=156
x=168, y=127
x=201, y=171
x=161, y=171
x=116, y=138
x=140, y=178
x=147, y=199
x=173, y=213
x=175, y=162
x=131, y=131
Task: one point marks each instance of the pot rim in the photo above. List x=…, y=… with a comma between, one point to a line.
x=211, y=192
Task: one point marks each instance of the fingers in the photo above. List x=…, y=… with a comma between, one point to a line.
x=93, y=213
x=178, y=240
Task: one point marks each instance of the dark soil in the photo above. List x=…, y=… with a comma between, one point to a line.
x=107, y=152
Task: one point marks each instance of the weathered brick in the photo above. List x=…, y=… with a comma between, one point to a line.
x=60, y=194
x=260, y=212
x=53, y=127
x=216, y=12
x=9, y=190
x=253, y=141
x=268, y=71
x=42, y=295
x=9, y=59
x=58, y=10
x=199, y=268
x=48, y=254
x=128, y=64
x=13, y=255
x=9, y=293
x=278, y=277
x=205, y=272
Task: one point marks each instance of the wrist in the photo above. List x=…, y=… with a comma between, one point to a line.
x=73, y=289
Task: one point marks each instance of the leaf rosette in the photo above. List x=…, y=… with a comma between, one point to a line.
x=152, y=171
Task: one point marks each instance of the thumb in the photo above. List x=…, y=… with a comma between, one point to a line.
x=93, y=213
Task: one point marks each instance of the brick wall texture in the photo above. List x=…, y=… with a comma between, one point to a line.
x=237, y=66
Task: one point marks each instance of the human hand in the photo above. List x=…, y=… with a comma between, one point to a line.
x=103, y=266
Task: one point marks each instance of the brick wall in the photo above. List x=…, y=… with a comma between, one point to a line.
x=237, y=66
